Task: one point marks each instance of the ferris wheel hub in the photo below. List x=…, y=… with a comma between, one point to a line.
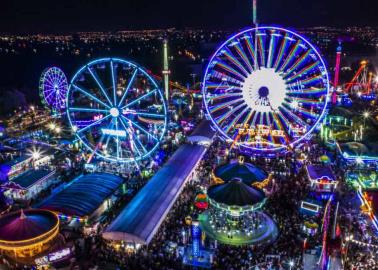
x=264, y=90
x=114, y=112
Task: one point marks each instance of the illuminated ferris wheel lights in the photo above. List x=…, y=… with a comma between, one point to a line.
x=53, y=87
x=119, y=116
x=259, y=82
x=114, y=112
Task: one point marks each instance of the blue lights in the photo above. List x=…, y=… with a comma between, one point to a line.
x=116, y=110
x=196, y=239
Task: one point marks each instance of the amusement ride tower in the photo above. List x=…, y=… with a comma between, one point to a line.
x=166, y=70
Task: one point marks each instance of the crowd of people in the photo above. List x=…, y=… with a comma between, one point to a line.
x=291, y=186
x=361, y=246
x=164, y=251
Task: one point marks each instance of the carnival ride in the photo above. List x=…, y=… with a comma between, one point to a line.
x=363, y=83
x=53, y=87
x=235, y=216
x=181, y=101
x=265, y=89
x=117, y=110
x=25, y=234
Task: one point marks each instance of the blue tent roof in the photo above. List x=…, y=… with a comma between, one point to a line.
x=247, y=172
x=141, y=218
x=30, y=177
x=235, y=193
x=84, y=195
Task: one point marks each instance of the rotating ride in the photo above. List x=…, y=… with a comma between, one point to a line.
x=265, y=89
x=117, y=110
x=53, y=88
x=181, y=101
x=362, y=83
x=26, y=234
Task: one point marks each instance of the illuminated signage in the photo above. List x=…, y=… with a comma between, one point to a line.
x=53, y=257
x=258, y=130
x=310, y=207
x=113, y=132
x=42, y=261
x=56, y=256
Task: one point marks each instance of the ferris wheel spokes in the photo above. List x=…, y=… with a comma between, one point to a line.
x=90, y=96
x=53, y=87
x=131, y=81
x=139, y=127
x=120, y=110
x=149, y=93
x=278, y=76
x=93, y=124
x=94, y=76
x=113, y=83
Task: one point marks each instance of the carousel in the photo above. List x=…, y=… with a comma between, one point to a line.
x=249, y=174
x=25, y=234
x=234, y=215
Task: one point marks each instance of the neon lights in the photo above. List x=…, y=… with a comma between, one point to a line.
x=58, y=255
x=337, y=66
x=310, y=207
x=239, y=93
x=53, y=87
x=114, y=119
x=112, y=132
x=196, y=239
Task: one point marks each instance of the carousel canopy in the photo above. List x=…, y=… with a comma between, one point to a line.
x=235, y=193
x=247, y=172
x=84, y=195
x=25, y=225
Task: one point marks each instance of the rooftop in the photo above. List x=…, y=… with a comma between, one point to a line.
x=30, y=177
x=141, y=218
x=84, y=195
x=25, y=225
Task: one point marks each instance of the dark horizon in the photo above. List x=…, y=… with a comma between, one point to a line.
x=70, y=16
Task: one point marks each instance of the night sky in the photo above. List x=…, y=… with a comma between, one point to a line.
x=55, y=16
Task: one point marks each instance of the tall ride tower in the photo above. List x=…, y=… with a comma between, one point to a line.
x=337, y=66
x=166, y=70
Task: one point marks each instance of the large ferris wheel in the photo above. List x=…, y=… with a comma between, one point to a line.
x=265, y=89
x=117, y=110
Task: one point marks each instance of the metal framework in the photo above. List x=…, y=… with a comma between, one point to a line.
x=117, y=110
x=265, y=88
x=53, y=87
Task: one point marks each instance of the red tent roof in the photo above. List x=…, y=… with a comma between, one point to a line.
x=25, y=225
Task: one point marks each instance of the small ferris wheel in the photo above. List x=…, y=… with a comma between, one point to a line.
x=53, y=88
